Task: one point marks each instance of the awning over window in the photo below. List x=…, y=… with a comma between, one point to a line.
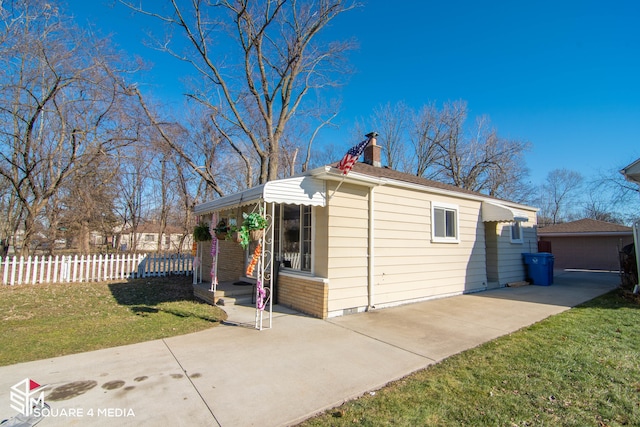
x=493, y=211
x=302, y=190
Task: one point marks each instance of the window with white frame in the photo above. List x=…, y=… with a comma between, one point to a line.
x=293, y=236
x=516, y=232
x=444, y=223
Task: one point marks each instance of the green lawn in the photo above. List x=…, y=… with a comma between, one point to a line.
x=579, y=368
x=41, y=321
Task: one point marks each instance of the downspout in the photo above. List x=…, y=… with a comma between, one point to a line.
x=371, y=254
x=636, y=246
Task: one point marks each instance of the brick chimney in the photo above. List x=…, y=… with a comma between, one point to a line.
x=372, y=152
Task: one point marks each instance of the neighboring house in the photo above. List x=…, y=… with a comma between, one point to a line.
x=374, y=238
x=632, y=172
x=586, y=244
x=147, y=234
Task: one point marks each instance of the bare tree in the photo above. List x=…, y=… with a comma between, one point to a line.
x=134, y=192
x=451, y=160
x=427, y=132
x=559, y=195
x=499, y=165
x=325, y=121
x=611, y=192
x=164, y=181
x=258, y=62
x=59, y=102
x=197, y=148
x=596, y=207
x=85, y=205
x=186, y=193
x=11, y=211
x=483, y=162
x=391, y=122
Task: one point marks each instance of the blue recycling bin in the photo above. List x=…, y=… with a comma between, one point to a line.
x=539, y=267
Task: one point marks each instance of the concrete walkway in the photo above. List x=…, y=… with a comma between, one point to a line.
x=238, y=376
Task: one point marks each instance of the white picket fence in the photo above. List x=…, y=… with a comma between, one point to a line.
x=91, y=268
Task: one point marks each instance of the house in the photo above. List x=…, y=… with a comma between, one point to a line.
x=632, y=174
x=586, y=244
x=146, y=237
x=373, y=238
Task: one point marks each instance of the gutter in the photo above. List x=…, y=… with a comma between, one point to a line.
x=329, y=173
x=585, y=234
x=371, y=254
x=371, y=246
x=326, y=173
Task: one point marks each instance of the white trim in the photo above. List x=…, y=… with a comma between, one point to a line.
x=301, y=190
x=585, y=233
x=371, y=253
x=519, y=240
x=331, y=174
x=493, y=211
x=636, y=242
x=450, y=207
x=303, y=275
x=328, y=173
x=632, y=172
x=275, y=191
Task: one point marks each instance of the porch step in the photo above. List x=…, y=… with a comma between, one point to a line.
x=241, y=300
x=230, y=295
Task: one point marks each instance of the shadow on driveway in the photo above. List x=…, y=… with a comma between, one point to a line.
x=569, y=288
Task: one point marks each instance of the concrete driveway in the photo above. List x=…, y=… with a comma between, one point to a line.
x=234, y=375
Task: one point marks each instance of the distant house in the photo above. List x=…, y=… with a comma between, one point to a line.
x=373, y=238
x=146, y=238
x=586, y=244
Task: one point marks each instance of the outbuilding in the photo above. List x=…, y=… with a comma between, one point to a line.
x=586, y=244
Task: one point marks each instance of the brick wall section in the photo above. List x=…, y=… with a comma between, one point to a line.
x=230, y=261
x=202, y=292
x=307, y=296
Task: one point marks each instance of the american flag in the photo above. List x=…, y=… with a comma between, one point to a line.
x=353, y=155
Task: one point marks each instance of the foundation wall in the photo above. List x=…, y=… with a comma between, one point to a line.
x=308, y=296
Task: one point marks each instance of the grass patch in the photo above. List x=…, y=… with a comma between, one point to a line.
x=42, y=321
x=579, y=368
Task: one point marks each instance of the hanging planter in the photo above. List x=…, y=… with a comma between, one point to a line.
x=256, y=234
x=221, y=230
x=201, y=233
x=252, y=228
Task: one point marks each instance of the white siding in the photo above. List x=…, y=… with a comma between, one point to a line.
x=510, y=267
x=408, y=265
x=347, y=247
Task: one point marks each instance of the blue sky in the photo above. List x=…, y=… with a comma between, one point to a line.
x=563, y=75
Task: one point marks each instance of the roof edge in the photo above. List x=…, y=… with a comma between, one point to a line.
x=328, y=172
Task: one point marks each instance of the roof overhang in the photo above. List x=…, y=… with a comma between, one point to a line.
x=301, y=190
x=310, y=189
x=493, y=211
x=586, y=234
x=632, y=172
x=328, y=173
